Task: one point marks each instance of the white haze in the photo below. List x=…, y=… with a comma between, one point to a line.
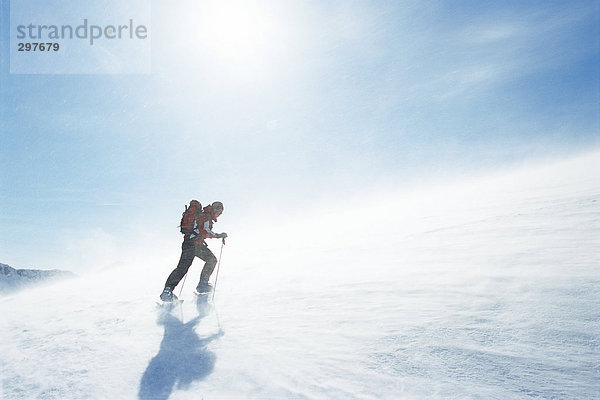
x=480, y=289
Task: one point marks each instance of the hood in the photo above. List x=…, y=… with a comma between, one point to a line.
x=208, y=209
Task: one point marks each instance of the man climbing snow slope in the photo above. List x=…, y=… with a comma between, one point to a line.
x=196, y=225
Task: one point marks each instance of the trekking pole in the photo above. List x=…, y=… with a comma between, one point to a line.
x=181, y=301
x=182, y=284
x=217, y=274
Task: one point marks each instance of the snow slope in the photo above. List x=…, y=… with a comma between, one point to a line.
x=484, y=289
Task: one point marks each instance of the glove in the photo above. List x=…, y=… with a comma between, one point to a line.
x=221, y=235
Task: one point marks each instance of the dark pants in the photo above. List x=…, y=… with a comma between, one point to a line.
x=189, y=250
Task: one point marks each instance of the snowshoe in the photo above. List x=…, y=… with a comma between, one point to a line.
x=168, y=296
x=203, y=288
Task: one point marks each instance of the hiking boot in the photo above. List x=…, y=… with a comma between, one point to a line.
x=167, y=295
x=204, y=287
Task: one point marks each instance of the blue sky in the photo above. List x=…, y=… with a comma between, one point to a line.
x=272, y=105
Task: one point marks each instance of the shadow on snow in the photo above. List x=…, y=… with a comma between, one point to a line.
x=182, y=358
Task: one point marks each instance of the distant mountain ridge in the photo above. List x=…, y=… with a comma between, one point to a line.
x=12, y=280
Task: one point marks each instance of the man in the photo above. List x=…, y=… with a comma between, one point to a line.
x=197, y=225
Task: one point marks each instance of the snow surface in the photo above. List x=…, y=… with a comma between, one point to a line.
x=488, y=289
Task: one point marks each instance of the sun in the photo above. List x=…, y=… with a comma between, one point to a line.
x=236, y=33
x=237, y=28
x=232, y=43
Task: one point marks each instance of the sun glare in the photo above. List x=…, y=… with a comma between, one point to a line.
x=235, y=29
x=239, y=35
